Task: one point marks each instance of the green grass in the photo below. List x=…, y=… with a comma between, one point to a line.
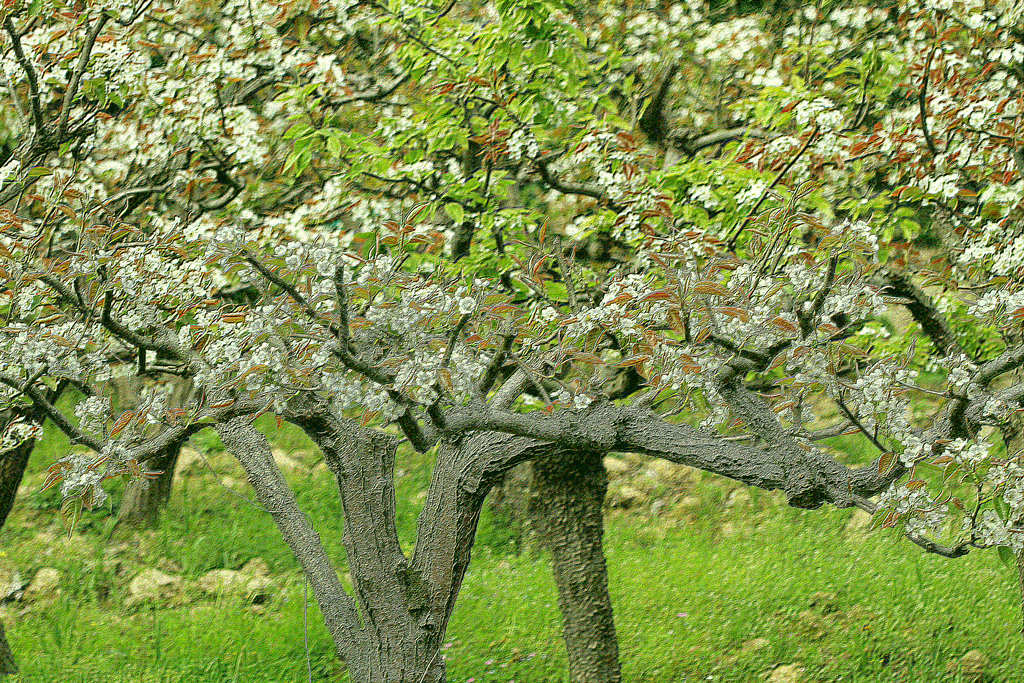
x=690, y=586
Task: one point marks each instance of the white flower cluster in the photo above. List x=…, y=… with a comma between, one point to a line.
x=961, y=374
x=83, y=475
x=522, y=145
x=922, y=514
x=17, y=432
x=820, y=111
x=93, y=413
x=970, y=453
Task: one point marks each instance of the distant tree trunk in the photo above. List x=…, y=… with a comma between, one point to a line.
x=510, y=499
x=144, y=498
x=567, y=504
x=7, y=664
x=12, y=469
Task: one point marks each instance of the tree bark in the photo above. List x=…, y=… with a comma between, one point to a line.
x=144, y=498
x=567, y=504
x=12, y=470
x=7, y=664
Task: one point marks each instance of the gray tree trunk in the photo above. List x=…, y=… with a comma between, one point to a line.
x=567, y=504
x=145, y=498
x=12, y=469
x=391, y=631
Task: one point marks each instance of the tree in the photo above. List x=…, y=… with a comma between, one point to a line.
x=494, y=235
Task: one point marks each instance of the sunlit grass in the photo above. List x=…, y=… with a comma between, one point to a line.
x=690, y=588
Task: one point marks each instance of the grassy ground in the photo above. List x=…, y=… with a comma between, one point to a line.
x=717, y=584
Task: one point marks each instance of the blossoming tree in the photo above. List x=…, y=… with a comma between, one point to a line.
x=502, y=234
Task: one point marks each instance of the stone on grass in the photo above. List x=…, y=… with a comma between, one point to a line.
x=615, y=465
x=787, y=673
x=672, y=473
x=754, y=645
x=626, y=497
x=256, y=567
x=972, y=665
x=188, y=460
x=152, y=585
x=11, y=583
x=253, y=581
x=220, y=581
x=737, y=498
x=43, y=585
x=859, y=522
x=288, y=462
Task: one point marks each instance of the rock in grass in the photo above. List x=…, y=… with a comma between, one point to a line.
x=218, y=581
x=152, y=585
x=11, y=583
x=625, y=497
x=253, y=581
x=43, y=585
x=787, y=673
x=754, y=645
x=256, y=567
x=615, y=466
x=972, y=665
x=859, y=522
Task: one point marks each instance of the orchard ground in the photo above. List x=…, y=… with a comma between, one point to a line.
x=710, y=582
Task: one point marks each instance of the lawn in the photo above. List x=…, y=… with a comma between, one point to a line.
x=710, y=582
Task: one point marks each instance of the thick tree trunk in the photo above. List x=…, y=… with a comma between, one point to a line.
x=567, y=505
x=145, y=498
x=12, y=470
x=392, y=631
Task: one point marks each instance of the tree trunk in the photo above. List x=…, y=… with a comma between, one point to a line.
x=392, y=631
x=145, y=498
x=567, y=505
x=12, y=470
x=7, y=664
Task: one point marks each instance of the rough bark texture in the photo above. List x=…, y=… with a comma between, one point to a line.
x=12, y=470
x=145, y=498
x=567, y=506
x=393, y=630
x=338, y=609
x=7, y=663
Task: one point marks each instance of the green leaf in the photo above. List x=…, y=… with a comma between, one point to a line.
x=1002, y=509
x=334, y=146
x=1007, y=556
x=455, y=211
x=296, y=130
